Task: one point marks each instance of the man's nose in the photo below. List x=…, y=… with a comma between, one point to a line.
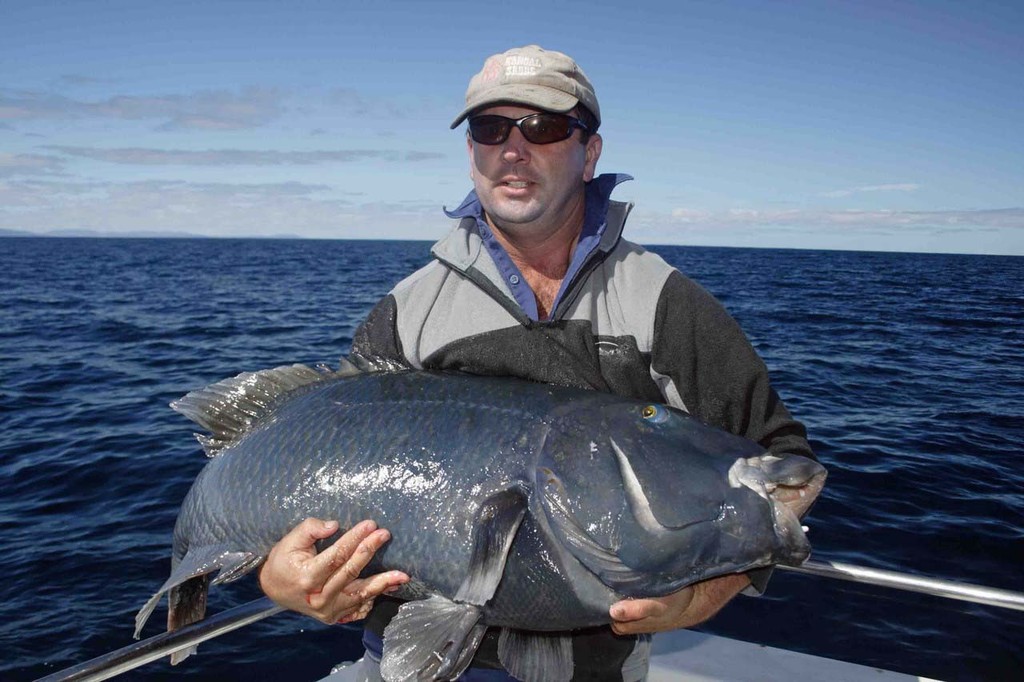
x=515, y=149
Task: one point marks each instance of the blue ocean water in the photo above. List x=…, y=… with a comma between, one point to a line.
x=907, y=369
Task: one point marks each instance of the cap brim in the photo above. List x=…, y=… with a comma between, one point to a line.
x=536, y=96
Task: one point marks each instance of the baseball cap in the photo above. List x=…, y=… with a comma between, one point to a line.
x=531, y=76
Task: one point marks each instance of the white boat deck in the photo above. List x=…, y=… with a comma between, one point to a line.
x=687, y=656
x=691, y=656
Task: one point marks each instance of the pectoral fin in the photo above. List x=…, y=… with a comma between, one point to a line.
x=436, y=638
x=536, y=656
x=432, y=639
x=495, y=528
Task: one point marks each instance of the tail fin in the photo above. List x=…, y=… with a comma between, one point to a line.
x=186, y=604
x=188, y=586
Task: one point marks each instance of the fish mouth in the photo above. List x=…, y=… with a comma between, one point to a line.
x=790, y=485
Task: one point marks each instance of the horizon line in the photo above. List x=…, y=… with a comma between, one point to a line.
x=85, y=234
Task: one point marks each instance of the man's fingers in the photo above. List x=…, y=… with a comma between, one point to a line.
x=348, y=572
x=656, y=614
x=355, y=599
x=338, y=554
x=633, y=616
x=626, y=610
x=369, y=588
x=629, y=610
x=285, y=576
x=327, y=585
x=358, y=613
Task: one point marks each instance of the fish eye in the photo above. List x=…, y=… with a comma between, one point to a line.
x=654, y=413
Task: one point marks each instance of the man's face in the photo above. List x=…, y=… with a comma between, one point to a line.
x=532, y=189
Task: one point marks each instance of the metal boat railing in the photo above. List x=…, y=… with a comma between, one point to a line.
x=949, y=589
x=148, y=650
x=138, y=654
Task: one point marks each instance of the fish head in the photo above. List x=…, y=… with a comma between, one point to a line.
x=651, y=500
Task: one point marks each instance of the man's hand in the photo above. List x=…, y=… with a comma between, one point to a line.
x=689, y=606
x=327, y=585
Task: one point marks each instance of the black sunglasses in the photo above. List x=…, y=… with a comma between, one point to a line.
x=536, y=128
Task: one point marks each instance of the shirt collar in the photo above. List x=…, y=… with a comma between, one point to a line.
x=599, y=192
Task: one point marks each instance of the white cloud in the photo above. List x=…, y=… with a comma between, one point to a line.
x=320, y=210
x=360, y=104
x=1008, y=217
x=29, y=164
x=214, y=209
x=204, y=110
x=238, y=157
x=897, y=187
x=995, y=231
x=690, y=215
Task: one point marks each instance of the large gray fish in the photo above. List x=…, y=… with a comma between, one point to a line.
x=513, y=504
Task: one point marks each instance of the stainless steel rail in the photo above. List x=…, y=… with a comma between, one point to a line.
x=140, y=653
x=903, y=581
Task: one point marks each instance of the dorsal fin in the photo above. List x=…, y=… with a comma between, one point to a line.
x=228, y=408
x=372, y=363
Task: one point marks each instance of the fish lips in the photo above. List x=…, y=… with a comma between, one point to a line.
x=790, y=485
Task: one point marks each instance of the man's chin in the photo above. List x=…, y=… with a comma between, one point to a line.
x=513, y=216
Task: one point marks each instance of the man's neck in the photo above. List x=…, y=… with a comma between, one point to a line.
x=543, y=259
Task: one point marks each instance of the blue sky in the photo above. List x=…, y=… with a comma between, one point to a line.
x=868, y=125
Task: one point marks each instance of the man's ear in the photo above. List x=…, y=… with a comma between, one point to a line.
x=593, y=153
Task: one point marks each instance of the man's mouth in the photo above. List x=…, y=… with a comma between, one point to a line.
x=515, y=183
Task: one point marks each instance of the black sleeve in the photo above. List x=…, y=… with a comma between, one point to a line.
x=377, y=336
x=719, y=376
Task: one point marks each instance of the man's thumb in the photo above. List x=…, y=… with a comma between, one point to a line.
x=307, y=533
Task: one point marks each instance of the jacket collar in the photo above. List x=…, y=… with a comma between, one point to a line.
x=605, y=219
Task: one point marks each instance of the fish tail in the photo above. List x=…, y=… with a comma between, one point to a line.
x=189, y=584
x=186, y=605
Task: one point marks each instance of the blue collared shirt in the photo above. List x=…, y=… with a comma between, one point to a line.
x=598, y=194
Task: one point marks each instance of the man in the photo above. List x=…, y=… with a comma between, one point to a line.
x=536, y=282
